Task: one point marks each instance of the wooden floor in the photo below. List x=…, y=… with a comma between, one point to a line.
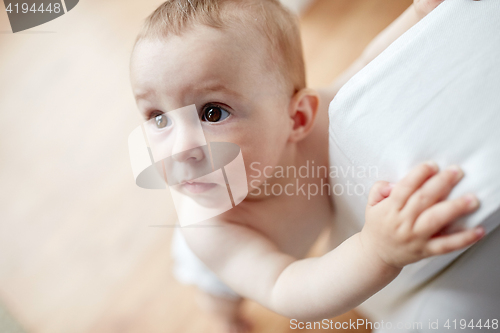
x=77, y=250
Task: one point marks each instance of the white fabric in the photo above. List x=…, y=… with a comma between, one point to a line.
x=467, y=290
x=434, y=94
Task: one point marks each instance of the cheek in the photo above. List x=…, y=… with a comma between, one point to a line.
x=260, y=159
x=262, y=138
x=264, y=144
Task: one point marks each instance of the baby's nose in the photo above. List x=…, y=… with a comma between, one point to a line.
x=187, y=143
x=190, y=155
x=188, y=134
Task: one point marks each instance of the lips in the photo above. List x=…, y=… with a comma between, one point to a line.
x=197, y=187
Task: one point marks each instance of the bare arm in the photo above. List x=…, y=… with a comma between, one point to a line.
x=399, y=229
x=401, y=225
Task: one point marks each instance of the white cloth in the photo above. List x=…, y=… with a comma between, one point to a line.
x=434, y=94
x=468, y=290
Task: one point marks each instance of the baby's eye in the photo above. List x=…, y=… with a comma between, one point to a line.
x=214, y=114
x=162, y=121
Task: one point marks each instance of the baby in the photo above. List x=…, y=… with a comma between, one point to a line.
x=240, y=63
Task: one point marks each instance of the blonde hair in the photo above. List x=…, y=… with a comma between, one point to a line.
x=268, y=17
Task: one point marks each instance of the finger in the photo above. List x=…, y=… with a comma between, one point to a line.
x=409, y=184
x=433, y=190
x=440, y=215
x=379, y=191
x=454, y=242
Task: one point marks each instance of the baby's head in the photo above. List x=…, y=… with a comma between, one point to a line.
x=262, y=24
x=239, y=62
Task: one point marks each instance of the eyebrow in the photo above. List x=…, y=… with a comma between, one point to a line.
x=207, y=88
x=218, y=87
x=143, y=95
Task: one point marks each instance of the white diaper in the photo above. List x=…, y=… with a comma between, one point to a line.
x=188, y=269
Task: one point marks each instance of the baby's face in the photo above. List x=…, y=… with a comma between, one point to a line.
x=230, y=79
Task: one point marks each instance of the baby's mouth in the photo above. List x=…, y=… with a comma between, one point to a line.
x=197, y=187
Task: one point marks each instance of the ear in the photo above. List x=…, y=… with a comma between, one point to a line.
x=302, y=111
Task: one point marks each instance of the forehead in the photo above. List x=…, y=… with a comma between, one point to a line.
x=200, y=56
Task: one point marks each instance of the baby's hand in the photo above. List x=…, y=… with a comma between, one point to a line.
x=403, y=221
x=424, y=7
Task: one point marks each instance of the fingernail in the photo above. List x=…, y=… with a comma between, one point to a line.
x=479, y=231
x=471, y=200
x=433, y=165
x=456, y=170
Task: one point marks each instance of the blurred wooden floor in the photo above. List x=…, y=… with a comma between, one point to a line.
x=77, y=250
